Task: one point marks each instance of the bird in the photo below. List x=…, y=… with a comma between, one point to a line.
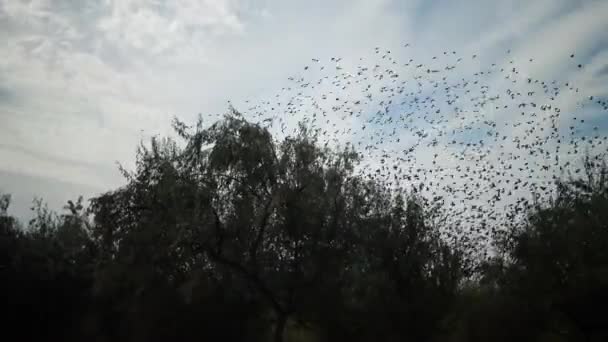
x=483, y=144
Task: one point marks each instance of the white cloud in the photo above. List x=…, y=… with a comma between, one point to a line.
x=81, y=81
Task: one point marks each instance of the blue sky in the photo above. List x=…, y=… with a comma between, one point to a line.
x=81, y=83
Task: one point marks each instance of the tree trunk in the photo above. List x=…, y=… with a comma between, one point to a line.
x=279, y=329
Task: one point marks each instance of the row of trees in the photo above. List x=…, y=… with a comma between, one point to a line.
x=228, y=235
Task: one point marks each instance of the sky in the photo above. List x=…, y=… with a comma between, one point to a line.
x=83, y=82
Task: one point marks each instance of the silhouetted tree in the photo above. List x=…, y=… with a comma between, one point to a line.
x=45, y=272
x=551, y=282
x=561, y=257
x=282, y=223
x=228, y=234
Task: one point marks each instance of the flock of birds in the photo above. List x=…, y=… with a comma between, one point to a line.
x=481, y=143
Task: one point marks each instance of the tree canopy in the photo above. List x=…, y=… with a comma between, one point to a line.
x=228, y=234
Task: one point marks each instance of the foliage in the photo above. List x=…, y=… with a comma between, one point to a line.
x=228, y=234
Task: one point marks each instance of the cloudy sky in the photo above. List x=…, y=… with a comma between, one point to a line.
x=82, y=82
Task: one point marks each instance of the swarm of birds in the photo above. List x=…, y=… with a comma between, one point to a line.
x=483, y=148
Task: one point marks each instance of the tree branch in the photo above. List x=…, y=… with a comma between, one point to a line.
x=258, y=239
x=255, y=280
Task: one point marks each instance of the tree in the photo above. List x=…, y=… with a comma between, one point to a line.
x=559, y=257
x=271, y=220
x=45, y=272
x=284, y=225
x=226, y=233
